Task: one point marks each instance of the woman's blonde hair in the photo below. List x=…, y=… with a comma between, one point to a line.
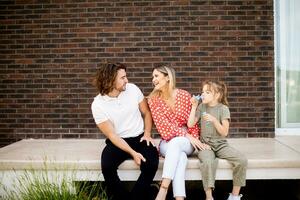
x=218, y=87
x=169, y=72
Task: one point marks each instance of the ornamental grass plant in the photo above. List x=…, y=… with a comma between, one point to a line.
x=33, y=185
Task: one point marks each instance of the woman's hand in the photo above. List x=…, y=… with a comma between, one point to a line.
x=203, y=146
x=148, y=139
x=197, y=144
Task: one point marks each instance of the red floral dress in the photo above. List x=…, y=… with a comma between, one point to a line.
x=171, y=123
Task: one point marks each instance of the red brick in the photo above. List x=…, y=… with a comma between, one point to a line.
x=50, y=52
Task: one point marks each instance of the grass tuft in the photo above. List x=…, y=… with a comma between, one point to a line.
x=40, y=186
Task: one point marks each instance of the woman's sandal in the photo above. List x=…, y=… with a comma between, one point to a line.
x=164, y=187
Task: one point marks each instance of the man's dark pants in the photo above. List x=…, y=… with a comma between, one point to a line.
x=112, y=157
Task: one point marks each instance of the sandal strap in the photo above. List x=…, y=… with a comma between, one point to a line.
x=164, y=187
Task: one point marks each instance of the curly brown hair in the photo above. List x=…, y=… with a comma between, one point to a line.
x=106, y=75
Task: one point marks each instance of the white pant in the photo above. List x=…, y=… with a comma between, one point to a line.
x=175, y=152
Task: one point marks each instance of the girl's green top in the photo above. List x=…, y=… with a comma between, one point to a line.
x=208, y=130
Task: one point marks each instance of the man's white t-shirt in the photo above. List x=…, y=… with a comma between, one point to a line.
x=123, y=111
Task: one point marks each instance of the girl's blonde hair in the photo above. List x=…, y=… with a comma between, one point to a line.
x=169, y=72
x=218, y=87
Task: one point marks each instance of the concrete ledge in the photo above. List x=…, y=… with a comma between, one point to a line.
x=268, y=158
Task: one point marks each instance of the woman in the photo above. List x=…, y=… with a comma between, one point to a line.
x=170, y=108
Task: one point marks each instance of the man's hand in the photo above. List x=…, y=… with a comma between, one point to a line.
x=148, y=139
x=138, y=158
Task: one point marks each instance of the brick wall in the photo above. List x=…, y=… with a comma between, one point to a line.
x=49, y=51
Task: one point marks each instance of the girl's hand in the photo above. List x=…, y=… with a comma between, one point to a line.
x=209, y=118
x=194, y=101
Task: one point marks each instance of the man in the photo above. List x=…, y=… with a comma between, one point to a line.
x=122, y=115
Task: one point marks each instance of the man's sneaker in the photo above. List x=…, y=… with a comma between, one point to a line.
x=232, y=197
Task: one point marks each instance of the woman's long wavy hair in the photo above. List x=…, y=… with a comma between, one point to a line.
x=218, y=87
x=106, y=76
x=166, y=71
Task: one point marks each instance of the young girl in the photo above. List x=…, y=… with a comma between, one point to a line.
x=214, y=118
